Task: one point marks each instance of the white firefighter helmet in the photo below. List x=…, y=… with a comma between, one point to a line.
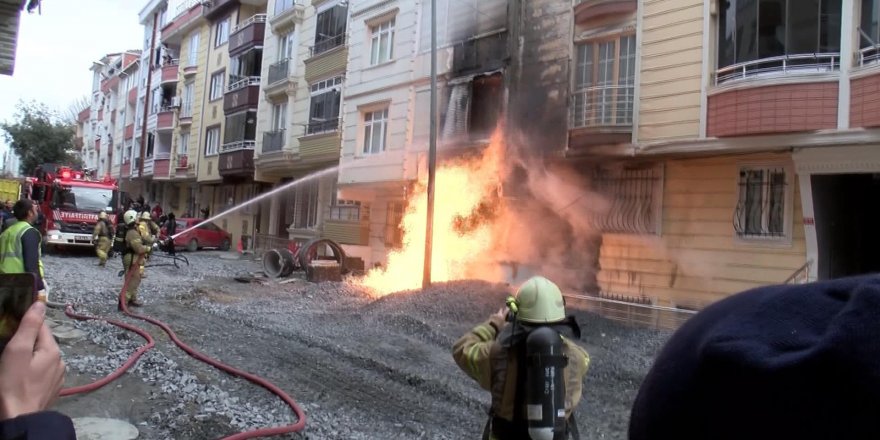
x=539, y=300
x=130, y=216
x=146, y=216
x=102, y=215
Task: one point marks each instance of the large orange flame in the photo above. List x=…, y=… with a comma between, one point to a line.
x=466, y=205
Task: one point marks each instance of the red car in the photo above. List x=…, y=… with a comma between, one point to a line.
x=207, y=235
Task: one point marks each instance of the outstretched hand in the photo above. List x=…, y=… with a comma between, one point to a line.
x=31, y=369
x=501, y=313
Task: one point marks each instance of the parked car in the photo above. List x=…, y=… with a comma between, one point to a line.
x=207, y=235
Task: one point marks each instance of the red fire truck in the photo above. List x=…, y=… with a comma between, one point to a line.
x=69, y=202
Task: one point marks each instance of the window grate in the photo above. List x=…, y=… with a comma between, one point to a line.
x=633, y=193
x=760, y=208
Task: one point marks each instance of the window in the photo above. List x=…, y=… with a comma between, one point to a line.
x=375, y=127
x=279, y=115
x=221, y=32
x=240, y=127
x=156, y=100
x=217, y=80
x=193, y=58
x=345, y=210
x=604, y=83
x=382, y=41
x=186, y=107
x=750, y=30
x=325, y=105
x=330, y=29
x=183, y=144
x=762, y=206
x=635, y=194
x=304, y=206
x=286, y=45
x=212, y=141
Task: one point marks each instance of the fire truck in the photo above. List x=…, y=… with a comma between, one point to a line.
x=69, y=202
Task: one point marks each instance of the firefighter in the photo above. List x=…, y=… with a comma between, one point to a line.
x=101, y=238
x=149, y=232
x=493, y=354
x=135, y=249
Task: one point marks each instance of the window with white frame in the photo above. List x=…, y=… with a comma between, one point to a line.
x=302, y=206
x=193, y=58
x=217, y=81
x=763, y=203
x=326, y=97
x=375, y=128
x=183, y=143
x=382, y=42
x=286, y=46
x=279, y=116
x=604, y=83
x=345, y=210
x=221, y=32
x=212, y=141
x=188, y=92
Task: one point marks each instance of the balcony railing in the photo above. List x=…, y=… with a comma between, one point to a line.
x=283, y=5
x=869, y=55
x=237, y=145
x=257, y=18
x=327, y=44
x=318, y=127
x=239, y=82
x=781, y=65
x=278, y=71
x=273, y=141
x=603, y=106
x=182, y=161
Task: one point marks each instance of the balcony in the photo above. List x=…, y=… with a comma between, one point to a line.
x=165, y=119
x=218, y=8
x=320, y=127
x=169, y=72
x=781, y=66
x=601, y=115
x=129, y=132
x=273, y=141
x=592, y=10
x=287, y=14
x=320, y=148
x=148, y=167
x=242, y=93
x=327, y=45
x=189, y=71
x=247, y=35
x=189, y=14
x=133, y=95
x=237, y=159
x=279, y=80
x=162, y=166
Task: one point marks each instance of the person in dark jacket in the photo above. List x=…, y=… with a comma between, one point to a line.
x=789, y=361
x=170, y=230
x=6, y=215
x=31, y=376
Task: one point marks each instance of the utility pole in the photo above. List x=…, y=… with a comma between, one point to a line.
x=432, y=151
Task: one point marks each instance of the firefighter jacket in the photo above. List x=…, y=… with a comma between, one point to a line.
x=487, y=355
x=102, y=229
x=134, y=246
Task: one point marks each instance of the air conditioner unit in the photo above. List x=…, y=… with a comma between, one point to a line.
x=175, y=102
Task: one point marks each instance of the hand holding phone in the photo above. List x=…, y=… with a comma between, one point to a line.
x=17, y=292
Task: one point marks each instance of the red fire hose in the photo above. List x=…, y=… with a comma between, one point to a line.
x=295, y=427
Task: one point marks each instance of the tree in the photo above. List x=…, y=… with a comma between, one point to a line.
x=38, y=136
x=71, y=115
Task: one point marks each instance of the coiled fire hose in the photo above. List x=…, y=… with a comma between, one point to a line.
x=123, y=306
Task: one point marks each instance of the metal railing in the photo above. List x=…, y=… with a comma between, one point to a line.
x=273, y=141
x=634, y=314
x=603, y=106
x=801, y=275
x=318, y=127
x=237, y=145
x=256, y=18
x=283, y=5
x=779, y=65
x=760, y=208
x=266, y=242
x=869, y=55
x=329, y=43
x=162, y=156
x=185, y=6
x=239, y=82
x=278, y=71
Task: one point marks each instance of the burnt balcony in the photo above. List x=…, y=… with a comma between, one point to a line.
x=287, y=14
x=165, y=119
x=243, y=93
x=483, y=54
x=273, y=141
x=129, y=131
x=247, y=35
x=237, y=159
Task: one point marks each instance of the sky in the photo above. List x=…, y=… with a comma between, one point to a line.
x=56, y=50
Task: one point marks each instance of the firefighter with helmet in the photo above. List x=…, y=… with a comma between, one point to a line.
x=501, y=355
x=102, y=238
x=150, y=232
x=135, y=249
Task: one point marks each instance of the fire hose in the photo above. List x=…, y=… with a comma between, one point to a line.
x=123, y=306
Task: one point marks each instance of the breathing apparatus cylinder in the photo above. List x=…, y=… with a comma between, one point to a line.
x=545, y=384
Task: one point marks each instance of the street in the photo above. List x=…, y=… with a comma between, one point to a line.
x=361, y=368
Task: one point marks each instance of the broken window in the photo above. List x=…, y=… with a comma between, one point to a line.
x=761, y=207
x=604, y=83
x=634, y=195
x=473, y=108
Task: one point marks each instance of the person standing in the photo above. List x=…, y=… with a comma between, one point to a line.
x=170, y=230
x=20, y=245
x=132, y=257
x=102, y=237
x=6, y=215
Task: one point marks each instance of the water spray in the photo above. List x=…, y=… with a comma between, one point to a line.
x=282, y=188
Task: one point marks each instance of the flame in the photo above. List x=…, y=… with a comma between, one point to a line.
x=467, y=209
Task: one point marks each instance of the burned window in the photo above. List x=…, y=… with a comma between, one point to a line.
x=473, y=108
x=393, y=228
x=634, y=196
x=761, y=206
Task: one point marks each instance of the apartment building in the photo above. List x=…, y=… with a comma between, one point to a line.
x=299, y=119
x=107, y=112
x=83, y=134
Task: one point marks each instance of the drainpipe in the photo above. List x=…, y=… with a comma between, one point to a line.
x=143, y=148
